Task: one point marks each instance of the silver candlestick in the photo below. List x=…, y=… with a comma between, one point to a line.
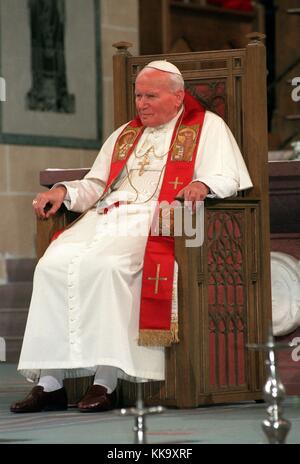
x=275, y=426
x=140, y=413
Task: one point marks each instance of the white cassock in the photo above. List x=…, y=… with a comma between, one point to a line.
x=84, y=310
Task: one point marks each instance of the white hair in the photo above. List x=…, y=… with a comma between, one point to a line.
x=176, y=80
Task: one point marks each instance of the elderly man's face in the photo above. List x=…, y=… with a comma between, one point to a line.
x=155, y=100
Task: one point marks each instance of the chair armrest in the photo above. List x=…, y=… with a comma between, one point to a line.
x=46, y=228
x=49, y=177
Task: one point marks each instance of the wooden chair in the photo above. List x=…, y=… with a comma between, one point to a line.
x=224, y=286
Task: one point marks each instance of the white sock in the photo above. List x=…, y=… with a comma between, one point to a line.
x=107, y=376
x=51, y=380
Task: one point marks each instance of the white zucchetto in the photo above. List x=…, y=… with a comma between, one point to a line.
x=164, y=65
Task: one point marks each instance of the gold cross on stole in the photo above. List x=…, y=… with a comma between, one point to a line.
x=157, y=279
x=145, y=161
x=176, y=183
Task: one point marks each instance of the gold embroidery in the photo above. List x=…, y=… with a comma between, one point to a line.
x=176, y=182
x=157, y=279
x=185, y=143
x=125, y=143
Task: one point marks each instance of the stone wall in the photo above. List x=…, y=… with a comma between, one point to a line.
x=20, y=165
x=119, y=22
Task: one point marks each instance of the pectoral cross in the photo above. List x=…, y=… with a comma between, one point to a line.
x=157, y=279
x=176, y=183
x=145, y=161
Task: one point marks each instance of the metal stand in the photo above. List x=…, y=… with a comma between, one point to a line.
x=140, y=413
x=275, y=426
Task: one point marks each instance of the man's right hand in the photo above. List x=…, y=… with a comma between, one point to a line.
x=53, y=197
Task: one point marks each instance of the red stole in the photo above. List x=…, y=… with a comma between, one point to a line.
x=158, y=272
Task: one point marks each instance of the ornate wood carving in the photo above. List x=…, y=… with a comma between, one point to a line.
x=227, y=297
x=211, y=94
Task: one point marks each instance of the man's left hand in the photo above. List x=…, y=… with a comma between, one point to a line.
x=195, y=191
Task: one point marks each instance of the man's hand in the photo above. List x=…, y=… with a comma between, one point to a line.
x=195, y=191
x=53, y=197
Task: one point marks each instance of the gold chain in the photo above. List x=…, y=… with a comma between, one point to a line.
x=147, y=152
x=137, y=192
x=146, y=155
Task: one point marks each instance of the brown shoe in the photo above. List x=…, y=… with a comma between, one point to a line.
x=97, y=399
x=37, y=400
